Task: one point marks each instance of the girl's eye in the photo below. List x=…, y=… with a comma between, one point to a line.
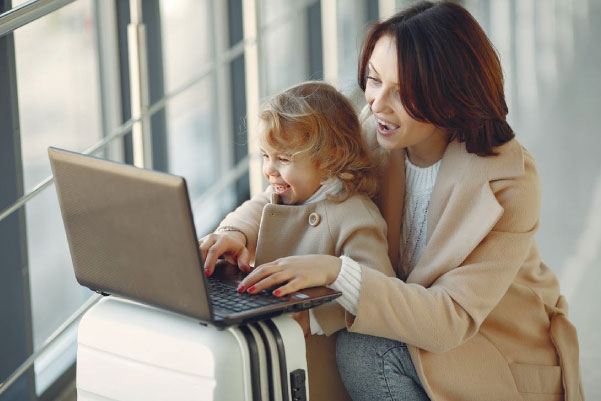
x=264, y=155
x=284, y=159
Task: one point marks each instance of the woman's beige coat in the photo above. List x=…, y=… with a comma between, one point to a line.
x=481, y=313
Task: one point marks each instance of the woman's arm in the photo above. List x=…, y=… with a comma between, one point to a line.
x=450, y=310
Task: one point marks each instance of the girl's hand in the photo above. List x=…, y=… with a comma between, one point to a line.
x=297, y=272
x=228, y=244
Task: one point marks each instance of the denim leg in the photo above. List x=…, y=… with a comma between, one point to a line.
x=376, y=368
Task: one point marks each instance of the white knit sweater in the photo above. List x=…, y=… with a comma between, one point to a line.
x=419, y=184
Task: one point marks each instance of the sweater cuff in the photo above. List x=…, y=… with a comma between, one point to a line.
x=348, y=282
x=314, y=324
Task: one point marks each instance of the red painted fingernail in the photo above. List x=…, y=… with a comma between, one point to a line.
x=241, y=288
x=276, y=293
x=207, y=272
x=251, y=289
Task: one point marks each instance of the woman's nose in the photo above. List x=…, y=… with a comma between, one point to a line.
x=377, y=101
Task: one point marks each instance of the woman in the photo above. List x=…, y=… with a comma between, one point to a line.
x=473, y=313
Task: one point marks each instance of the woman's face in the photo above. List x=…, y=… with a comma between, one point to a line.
x=396, y=128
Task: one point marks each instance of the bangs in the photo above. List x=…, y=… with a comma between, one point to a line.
x=288, y=136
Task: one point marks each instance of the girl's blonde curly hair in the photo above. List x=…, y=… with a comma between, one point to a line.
x=315, y=118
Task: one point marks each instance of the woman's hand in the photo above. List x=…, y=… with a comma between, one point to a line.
x=297, y=272
x=228, y=244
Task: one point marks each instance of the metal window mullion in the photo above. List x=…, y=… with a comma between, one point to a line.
x=108, y=72
x=222, y=85
x=329, y=29
x=252, y=52
x=156, y=84
x=16, y=339
x=138, y=70
x=25, y=13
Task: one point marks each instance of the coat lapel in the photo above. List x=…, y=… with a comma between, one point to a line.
x=392, y=201
x=463, y=208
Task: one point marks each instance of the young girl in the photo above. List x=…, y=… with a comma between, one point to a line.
x=319, y=175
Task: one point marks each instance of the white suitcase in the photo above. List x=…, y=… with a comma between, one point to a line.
x=129, y=352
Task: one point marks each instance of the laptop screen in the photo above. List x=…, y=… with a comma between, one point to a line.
x=130, y=232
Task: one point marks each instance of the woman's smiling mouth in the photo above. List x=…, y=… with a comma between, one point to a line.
x=385, y=128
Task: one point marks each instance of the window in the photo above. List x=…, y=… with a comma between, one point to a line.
x=58, y=86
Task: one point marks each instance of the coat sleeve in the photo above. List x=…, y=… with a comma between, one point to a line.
x=361, y=238
x=450, y=311
x=247, y=218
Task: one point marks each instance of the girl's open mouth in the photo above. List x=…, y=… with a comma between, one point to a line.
x=280, y=188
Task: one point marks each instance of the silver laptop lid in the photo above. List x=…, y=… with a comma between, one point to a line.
x=130, y=232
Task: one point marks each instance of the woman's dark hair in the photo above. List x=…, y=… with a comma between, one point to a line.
x=449, y=73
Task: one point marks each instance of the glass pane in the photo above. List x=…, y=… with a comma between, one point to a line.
x=187, y=46
x=59, y=106
x=352, y=24
x=284, y=58
x=194, y=138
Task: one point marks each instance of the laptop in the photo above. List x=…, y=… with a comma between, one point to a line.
x=131, y=234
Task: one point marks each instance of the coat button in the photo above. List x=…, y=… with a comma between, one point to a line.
x=314, y=219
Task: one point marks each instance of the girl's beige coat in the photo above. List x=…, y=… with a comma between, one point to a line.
x=482, y=314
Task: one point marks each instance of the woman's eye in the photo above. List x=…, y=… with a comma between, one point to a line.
x=373, y=79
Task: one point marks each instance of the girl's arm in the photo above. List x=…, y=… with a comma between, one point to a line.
x=236, y=236
x=359, y=234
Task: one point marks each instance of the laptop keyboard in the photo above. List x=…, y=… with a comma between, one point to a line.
x=225, y=296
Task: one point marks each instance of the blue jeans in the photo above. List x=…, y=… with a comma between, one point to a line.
x=375, y=368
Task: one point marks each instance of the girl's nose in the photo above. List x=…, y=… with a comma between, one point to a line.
x=269, y=168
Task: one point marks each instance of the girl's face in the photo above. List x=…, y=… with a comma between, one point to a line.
x=294, y=179
x=396, y=128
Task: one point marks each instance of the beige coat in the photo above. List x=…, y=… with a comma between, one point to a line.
x=481, y=313
x=318, y=228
